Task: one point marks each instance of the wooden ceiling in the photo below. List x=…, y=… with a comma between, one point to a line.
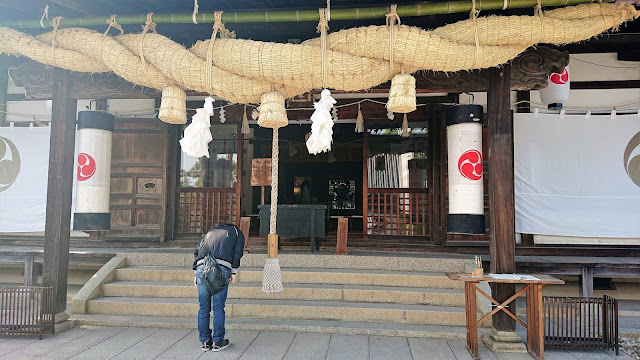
x=187, y=34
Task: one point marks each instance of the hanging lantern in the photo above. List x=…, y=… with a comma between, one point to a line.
x=93, y=171
x=272, y=111
x=557, y=91
x=402, y=94
x=173, y=107
x=466, y=193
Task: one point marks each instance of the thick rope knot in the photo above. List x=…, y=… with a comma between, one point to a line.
x=218, y=27
x=474, y=17
x=56, y=24
x=392, y=18
x=111, y=21
x=322, y=28
x=149, y=25
x=537, y=11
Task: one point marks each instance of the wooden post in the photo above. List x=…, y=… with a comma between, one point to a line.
x=365, y=180
x=30, y=271
x=239, y=148
x=586, y=282
x=343, y=231
x=59, y=188
x=171, y=176
x=501, y=197
x=436, y=135
x=245, y=225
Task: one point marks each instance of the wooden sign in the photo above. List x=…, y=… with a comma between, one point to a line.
x=261, y=172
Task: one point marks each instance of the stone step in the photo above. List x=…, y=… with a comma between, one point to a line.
x=408, y=262
x=326, y=292
x=320, y=326
x=285, y=309
x=304, y=276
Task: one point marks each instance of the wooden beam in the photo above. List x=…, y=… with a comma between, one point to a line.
x=59, y=188
x=501, y=196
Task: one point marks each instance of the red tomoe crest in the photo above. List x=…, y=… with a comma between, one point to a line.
x=470, y=164
x=560, y=78
x=86, y=166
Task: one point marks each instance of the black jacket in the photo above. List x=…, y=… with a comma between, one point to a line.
x=223, y=242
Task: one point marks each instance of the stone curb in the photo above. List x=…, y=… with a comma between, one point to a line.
x=93, y=288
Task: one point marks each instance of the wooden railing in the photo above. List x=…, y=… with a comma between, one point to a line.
x=202, y=208
x=397, y=212
x=581, y=322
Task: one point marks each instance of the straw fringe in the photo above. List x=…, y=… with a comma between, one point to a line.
x=402, y=94
x=359, y=121
x=245, y=122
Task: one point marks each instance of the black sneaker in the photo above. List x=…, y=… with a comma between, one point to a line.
x=220, y=345
x=206, y=346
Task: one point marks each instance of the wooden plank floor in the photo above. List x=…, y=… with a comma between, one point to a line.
x=94, y=342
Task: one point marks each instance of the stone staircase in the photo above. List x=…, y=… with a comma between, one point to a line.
x=355, y=294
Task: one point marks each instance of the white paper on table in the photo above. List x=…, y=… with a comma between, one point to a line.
x=513, y=277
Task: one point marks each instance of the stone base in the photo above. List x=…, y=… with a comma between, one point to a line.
x=504, y=341
x=65, y=325
x=61, y=317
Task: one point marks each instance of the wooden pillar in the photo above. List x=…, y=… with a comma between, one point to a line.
x=59, y=188
x=435, y=183
x=501, y=197
x=239, y=153
x=365, y=180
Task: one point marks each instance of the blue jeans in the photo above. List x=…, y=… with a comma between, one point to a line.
x=205, y=297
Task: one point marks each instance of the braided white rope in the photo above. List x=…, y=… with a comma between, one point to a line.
x=275, y=149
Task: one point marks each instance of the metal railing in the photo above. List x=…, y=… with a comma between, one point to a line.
x=27, y=310
x=581, y=322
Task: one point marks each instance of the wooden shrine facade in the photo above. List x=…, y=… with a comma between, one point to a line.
x=148, y=204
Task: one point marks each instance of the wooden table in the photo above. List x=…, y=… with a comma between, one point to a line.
x=534, y=325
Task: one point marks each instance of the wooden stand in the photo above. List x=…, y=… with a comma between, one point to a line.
x=534, y=325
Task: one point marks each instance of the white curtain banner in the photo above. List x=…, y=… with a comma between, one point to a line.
x=24, y=163
x=577, y=175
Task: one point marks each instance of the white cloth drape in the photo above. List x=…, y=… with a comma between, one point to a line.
x=574, y=175
x=322, y=124
x=197, y=135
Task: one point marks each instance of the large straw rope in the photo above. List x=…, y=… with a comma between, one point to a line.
x=356, y=59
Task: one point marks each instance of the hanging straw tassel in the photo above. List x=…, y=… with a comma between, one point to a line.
x=245, y=123
x=402, y=94
x=405, y=127
x=271, y=276
x=359, y=121
x=272, y=111
x=173, y=107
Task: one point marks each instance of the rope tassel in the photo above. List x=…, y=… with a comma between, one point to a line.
x=245, y=122
x=271, y=276
x=405, y=127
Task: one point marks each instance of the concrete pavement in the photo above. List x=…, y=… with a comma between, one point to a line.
x=97, y=342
